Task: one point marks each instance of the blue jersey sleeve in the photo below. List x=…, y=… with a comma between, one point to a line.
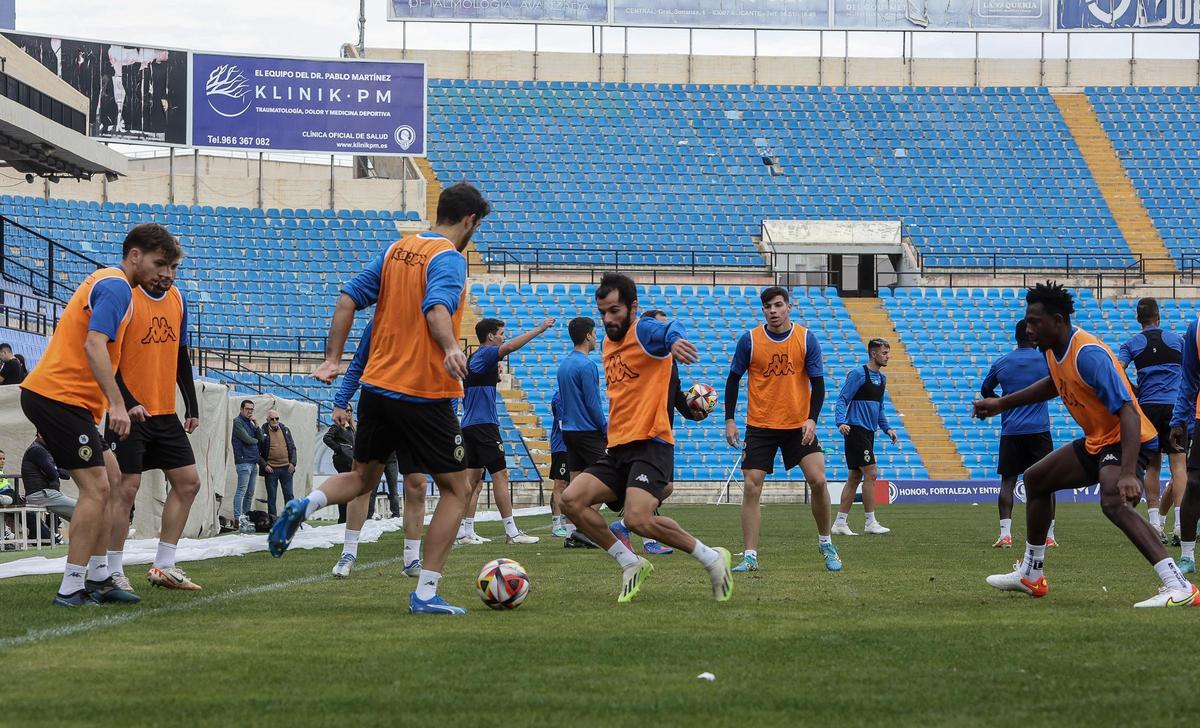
x=354, y=372
x=444, y=282
x=814, y=361
x=484, y=358
x=110, y=300
x=364, y=287
x=1130, y=349
x=184, y=341
x=884, y=425
x=741, y=356
x=987, y=388
x=1098, y=372
x=657, y=337
x=591, y=393
x=854, y=381
x=1185, y=404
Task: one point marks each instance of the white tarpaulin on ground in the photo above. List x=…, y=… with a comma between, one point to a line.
x=141, y=551
x=211, y=444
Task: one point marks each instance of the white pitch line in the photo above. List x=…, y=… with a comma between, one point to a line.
x=133, y=613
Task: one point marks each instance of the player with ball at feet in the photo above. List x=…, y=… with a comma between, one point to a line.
x=1118, y=441
x=635, y=472
x=692, y=408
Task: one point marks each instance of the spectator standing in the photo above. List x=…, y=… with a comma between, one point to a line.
x=12, y=370
x=246, y=455
x=277, y=461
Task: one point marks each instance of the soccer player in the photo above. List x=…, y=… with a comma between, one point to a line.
x=358, y=509
x=558, y=469
x=1024, y=431
x=481, y=427
x=633, y=475
x=1157, y=355
x=1187, y=411
x=154, y=361
x=583, y=421
x=678, y=403
x=786, y=390
x=1118, y=440
x=68, y=392
x=418, y=287
x=859, y=413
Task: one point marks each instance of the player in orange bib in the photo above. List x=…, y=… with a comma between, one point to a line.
x=75, y=383
x=635, y=472
x=414, y=371
x=786, y=390
x=1117, y=443
x=154, y=362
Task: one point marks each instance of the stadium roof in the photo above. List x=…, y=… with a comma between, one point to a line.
x=29, y=142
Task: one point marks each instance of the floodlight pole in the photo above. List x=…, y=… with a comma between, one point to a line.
x=362, y=28
x=171, y=176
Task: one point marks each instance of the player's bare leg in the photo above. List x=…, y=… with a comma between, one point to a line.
x=184, y=485
x=813, y=467
x=841, y=525
x=414, y=521
x=578, y=502
x=466, y=528
x=642, y=518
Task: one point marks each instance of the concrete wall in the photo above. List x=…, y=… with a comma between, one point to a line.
x=234, y=182
x=803, y=71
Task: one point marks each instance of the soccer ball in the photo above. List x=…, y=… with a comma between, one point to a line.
x=502, y=584
x=702, y=398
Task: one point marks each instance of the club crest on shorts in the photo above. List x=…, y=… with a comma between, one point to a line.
x=458, y=439
x=459, y=453
x=85, y=453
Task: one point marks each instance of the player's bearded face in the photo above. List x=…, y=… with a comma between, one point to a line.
x=616, y=315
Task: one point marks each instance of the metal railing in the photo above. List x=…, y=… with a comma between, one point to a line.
x=48, y=268
x=1091, y=270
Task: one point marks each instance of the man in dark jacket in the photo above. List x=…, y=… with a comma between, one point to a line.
x=246, y=438
x=277, y=459
x=340, y=440
x=40, y=478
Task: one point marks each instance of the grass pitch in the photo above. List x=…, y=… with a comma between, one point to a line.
x=907, y=634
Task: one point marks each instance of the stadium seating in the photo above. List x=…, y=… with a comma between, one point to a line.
x=1154, y=133
x=954, y=334
x=715, y=316
x=590, y=172
x=255, y=279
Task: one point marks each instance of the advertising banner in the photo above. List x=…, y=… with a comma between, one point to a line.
x=504, y=11
x=968, y=491
x=723, y=13
x=944, y=14
x=1128, y=14
x=261, y=103
x=135, y=94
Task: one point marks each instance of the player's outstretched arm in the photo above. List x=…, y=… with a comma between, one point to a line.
x=335, y=342
x=516, y=343
x=1042, y=390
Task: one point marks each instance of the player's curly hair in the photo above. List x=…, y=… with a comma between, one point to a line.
x=1054, y=297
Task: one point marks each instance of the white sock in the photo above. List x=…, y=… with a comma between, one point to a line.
x=625, y=558
x=412, y=550
x=870, y=518
x=510, y=527
x=1170, y=574
x=556, y=521
x=1032, y=565
x=427, y=584
x=72, y=580
x=1188, y=549
x=1155, y=518
x=1006, y=527
x=750, y=553
x=350, y=544
x=97, y=568
x=841, y=518
x=316, y=500
x=706, y=556
x=116, y=562
x=468, y=525
x=1177, y=518
x=1050, y=533
x=822, y=540
x=165, y=557
x=570, y=528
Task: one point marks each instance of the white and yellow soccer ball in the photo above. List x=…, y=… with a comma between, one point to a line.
x=502, y=584
x=702, y=398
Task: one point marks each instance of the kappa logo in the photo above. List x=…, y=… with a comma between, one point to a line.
x=409, y=257
x=642, y=479
x=780, y=366
x=617, y=371
x=1110, y=458
x=160, y=331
